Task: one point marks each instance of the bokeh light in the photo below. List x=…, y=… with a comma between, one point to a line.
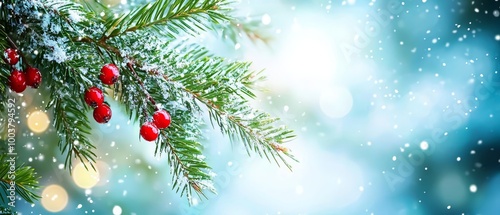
x=38, y=121
x=54, y=198
x=117, y=210
x=406, y=123
x=85, y=177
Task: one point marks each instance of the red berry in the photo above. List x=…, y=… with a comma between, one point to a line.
x=17, y=81
x=10, y=56
x=161, y=118
x=109, y=74
x=102, y=113
x=149, y=131
x=94, y=97
x=33, y=77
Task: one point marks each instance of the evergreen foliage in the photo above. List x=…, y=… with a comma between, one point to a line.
x=70, y=41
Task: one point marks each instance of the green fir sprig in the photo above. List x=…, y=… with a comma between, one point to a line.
x=18, y=176
x=161, y=67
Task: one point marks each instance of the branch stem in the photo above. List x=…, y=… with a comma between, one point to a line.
x=131, y=68
x=130, y=65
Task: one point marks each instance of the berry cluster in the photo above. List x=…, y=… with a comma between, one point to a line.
x=150, y=130
x=18, y=80
x=94, y=96
x=95, y=99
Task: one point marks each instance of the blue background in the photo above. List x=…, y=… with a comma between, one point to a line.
x=395, y=104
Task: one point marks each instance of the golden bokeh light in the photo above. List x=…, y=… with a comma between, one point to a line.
x=38, y=121
x=85, y=178
x=54, y=198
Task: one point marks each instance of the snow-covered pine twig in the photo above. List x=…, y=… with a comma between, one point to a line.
x=159, y=68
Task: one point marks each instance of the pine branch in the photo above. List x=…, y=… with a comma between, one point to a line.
x=65, y=70
x=3, y=38
x=6, y=211
x=134, y=74
x=24, y=178
x=158, y=70
x=189, y=170
x=180, y=142
x=238, y=27
x=70, y=118
x=3, y=30
x=188, y=16
x=73, y=141
x=224, y=89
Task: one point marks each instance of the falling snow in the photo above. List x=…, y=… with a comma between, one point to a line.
x=395, y=102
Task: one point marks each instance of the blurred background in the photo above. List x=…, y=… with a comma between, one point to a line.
x=395, y=104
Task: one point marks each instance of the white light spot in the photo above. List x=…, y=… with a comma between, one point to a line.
x=497, y=37
x=195, y=201
x=424, y=145
x=459, y=158
x=394, y=158
x=266, y=19
x=117, y=210
x=473, y=188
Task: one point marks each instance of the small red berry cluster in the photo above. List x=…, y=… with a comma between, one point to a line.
x=94, y=96
x=150, y=130
x=18, y=80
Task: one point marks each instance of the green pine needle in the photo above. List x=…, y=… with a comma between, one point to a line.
x=70, y=42
x=25, y=179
